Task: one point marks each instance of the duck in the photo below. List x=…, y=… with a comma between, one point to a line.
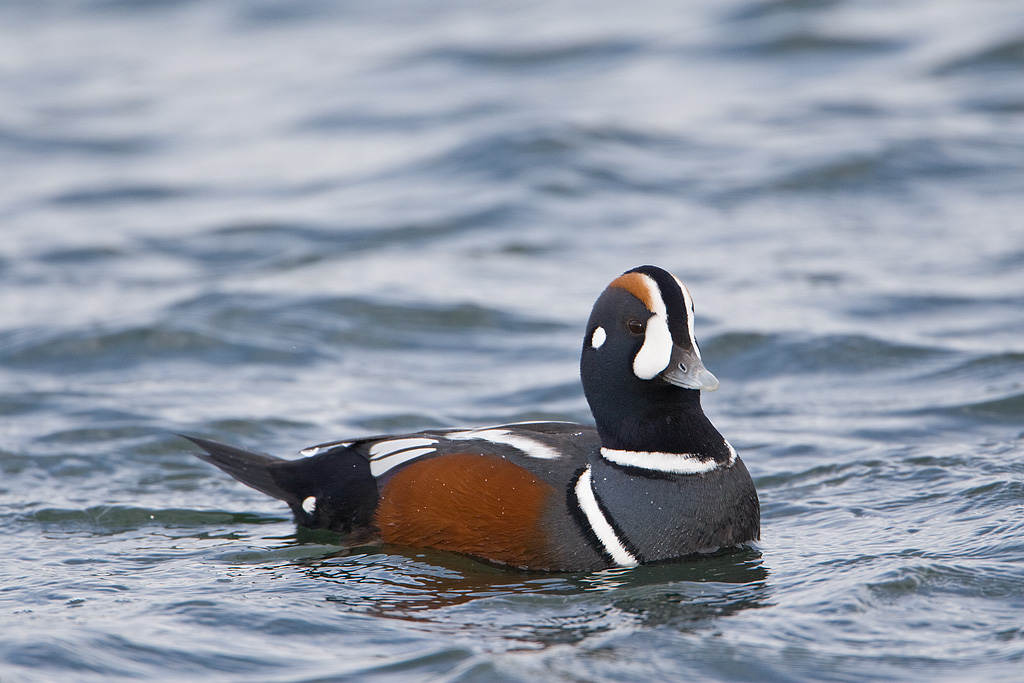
x=651, y=480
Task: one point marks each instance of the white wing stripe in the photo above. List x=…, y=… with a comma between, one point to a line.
x=387, y=462
x=528, y=446
x=383, y=449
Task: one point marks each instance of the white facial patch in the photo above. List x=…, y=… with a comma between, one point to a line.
x=598, y=338
x=309, y=505
x=655, y=354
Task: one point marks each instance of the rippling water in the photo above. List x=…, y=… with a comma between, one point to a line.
x=281, y=222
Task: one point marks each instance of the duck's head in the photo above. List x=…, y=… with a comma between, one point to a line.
x=639, y=352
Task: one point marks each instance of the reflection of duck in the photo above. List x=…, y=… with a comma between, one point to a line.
x=654, y=481
x=683, y=594
x=740, y=568
x=538, y=609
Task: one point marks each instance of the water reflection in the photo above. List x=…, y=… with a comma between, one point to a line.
x=687, y=594
x=511, y=609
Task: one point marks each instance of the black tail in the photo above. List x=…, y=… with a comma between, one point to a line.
x=332, y=490
x=252, y=469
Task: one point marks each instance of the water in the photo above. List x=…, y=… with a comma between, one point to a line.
x=279, y=223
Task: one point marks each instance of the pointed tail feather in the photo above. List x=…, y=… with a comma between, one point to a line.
x=252, y=469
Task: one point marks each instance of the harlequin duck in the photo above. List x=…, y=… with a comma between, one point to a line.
x=652, y=481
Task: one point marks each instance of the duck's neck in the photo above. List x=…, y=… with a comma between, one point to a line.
x=672, y=423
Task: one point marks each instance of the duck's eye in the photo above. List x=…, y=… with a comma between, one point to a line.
x=635, y=326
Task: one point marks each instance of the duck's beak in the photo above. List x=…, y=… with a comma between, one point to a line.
x=687, y=371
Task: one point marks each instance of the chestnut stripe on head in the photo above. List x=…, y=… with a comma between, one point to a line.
x=639, y=285
x=656, y=352
x=663, y=294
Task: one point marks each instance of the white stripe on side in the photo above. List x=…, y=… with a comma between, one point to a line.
x=392, y=460
x=528, y=446
x=602, y=528
x=674, y=463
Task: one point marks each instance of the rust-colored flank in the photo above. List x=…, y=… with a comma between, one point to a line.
x=477, y=504
x=637, y=285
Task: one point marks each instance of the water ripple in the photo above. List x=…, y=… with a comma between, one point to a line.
x=1006, y=56
x=277, y=222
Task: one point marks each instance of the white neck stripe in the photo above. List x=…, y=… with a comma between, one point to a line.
x=587, y=500
x=676, y=463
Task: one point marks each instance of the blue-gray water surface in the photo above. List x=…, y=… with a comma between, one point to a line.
x=280, y=222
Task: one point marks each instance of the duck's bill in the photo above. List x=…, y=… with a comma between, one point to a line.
x=687, y=371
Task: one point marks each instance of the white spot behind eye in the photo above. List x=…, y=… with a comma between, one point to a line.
x=309, y=505
x=598, y=339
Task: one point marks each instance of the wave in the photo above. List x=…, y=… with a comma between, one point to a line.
x=753, y=355
x=112, y=519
